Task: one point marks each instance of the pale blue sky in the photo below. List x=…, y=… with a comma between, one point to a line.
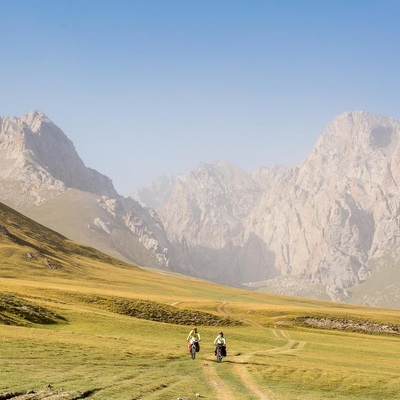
x=146, y=88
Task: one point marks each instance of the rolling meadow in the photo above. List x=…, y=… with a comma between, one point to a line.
x=76, y=323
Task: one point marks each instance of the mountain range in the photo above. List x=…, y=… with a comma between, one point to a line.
x=323, y=228
x=42, y=176
x=327, y=228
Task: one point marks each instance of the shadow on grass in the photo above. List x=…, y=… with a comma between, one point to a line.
x=17, y=311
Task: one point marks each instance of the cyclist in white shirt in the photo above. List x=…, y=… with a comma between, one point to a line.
x=220, y=339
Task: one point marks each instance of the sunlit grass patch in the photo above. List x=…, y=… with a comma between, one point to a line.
x=343, y=364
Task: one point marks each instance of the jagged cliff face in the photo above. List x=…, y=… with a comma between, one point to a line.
x=204, y=218
x=341, y=206
x=42, y=175
x=36, y=153
x=323, y=221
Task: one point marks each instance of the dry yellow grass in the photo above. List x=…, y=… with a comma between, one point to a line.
x=116, y=331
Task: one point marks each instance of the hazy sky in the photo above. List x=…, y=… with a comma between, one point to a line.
x=145, y=88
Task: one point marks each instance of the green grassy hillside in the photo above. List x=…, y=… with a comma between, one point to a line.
x=72, y=212
x=75, y=323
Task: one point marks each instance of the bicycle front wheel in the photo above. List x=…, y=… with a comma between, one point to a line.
x=219, y=355
x=193, y=351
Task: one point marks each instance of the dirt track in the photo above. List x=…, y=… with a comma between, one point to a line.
x=241, y=362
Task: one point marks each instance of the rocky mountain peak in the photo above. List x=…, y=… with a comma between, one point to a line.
x=358, y=134
x=322, y=221
x=34, y=119
x=34, y=151
x=42, y=174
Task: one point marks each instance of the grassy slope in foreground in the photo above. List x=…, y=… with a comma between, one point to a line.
x=71, y=327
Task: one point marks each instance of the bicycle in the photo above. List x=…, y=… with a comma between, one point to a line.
x=193, y=348
x=219, y=353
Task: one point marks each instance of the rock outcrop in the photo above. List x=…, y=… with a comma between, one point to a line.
x=322, y=221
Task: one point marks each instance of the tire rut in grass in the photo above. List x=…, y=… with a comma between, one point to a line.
x=247, y=380
x=223, y=390
x=240, y=366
